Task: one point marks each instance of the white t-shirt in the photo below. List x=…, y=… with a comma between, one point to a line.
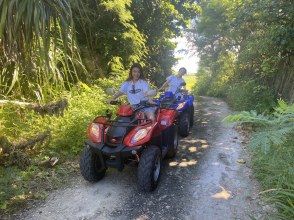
x=173, y=83
x=135, y=91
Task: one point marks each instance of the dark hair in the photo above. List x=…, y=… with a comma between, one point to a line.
x=183, y=68
x=132, y=67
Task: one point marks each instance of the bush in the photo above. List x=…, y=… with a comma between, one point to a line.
x=214, y=81
x=190, y=81
x=273, y=155
x=203, y=79
x=249, y=95
x=241, y=95
x=22, y=176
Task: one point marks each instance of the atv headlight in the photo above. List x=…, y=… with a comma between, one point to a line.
x=181, y=105
x=94, y=132
x=141, y=133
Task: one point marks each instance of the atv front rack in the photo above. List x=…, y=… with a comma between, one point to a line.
x=133, y=123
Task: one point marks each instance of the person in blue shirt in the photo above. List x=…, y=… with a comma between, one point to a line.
x=173, y=82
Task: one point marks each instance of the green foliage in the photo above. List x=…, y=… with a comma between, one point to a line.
x=190, y=81
x=203, y=80
x=51, y=45
x=38, y=46
x=272, y=130
x=241, y=59
x=67, y=131
x=250, y=95
x=216, y=83
x=273, y=154
x=20, y=182
x=160, y=22
x=108, y=35
x=75, y=50
x=17, y=186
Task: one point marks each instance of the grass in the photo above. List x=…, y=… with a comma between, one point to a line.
x=23, y=175
x=272, y=147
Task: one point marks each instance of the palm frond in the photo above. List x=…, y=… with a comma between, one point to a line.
x=30, y=32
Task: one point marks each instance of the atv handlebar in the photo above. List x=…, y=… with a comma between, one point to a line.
x=115, y=102
x=141, y=105
x=144, y=104
x=133, y=123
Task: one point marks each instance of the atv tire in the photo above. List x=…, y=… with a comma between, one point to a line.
x=191, y=116
x=149, y=169
x=184, y=124
x=174, y=142
x=91, y=166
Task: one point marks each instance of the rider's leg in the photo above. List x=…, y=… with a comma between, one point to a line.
x=150, y=113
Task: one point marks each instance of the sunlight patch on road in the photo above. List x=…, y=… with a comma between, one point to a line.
x=196, y=145
x=192, y=149
x=204, y=146
x=202, y=141
x=173, y=164
x=187, y=163
x=217, y=103
x=223, y=194
x=183, y=163
x=142, y=217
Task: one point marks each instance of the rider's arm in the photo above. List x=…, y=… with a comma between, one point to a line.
x=119, y=93
x=116, y=95
x=146, y=88
x=166, y=83
x=185, y=86
x=163, y=86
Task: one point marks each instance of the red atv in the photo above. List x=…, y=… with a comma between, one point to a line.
x=130, y=139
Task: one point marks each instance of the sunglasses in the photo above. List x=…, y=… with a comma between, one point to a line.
x=134, y=90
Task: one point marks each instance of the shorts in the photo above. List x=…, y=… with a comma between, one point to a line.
x=149, y=109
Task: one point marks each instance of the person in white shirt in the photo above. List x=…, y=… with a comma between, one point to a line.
x=173, y=82
x=136, y=88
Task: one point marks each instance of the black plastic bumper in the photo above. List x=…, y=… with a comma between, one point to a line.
x=113, y=156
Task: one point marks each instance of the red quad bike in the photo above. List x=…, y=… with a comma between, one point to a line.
x=130, y=139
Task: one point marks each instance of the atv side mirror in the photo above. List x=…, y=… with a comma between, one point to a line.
x=108, y=113
x=110, y=91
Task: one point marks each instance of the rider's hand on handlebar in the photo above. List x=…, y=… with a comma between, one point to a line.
x=151, y=102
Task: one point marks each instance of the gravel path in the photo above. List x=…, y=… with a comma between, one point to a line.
x=204, y=181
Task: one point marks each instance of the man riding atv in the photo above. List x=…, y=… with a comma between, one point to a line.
x=180, y=100
x=173, y=82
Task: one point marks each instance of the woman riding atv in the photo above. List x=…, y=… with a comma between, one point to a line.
x=136, y=89
x=173, y=82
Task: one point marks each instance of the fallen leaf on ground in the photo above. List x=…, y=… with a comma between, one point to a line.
x=241, y=161
x=223, y=194
x=53, y=161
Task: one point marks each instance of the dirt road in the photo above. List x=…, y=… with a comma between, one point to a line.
x=204, y=181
